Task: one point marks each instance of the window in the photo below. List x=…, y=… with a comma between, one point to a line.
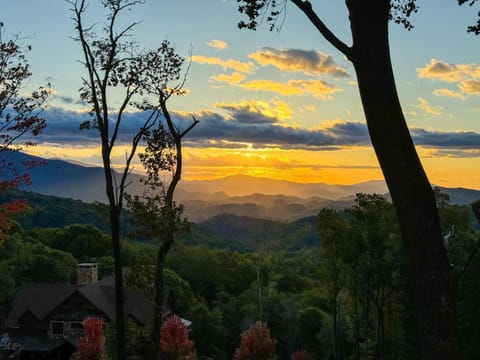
x=75, y=327
x=57, y=328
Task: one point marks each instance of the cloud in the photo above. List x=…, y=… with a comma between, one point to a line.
x=68, y=100
x=467, y=77
x=231, y=64
x=266, y=133
x=299, y=61
x=447, y=92
x=446, y=140
x=444, y=71
x=316, y=88
x=454, y=153
x=217, y=44
x=257, y=112
x=470, y=87
x=231, y=79
x=264, y=158
x=249, y=124
x=426, y=107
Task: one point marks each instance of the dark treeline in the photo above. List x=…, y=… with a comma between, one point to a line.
x=348, y=298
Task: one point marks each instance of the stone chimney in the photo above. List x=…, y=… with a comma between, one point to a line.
x=87, y=273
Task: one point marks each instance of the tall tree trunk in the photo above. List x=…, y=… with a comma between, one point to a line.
x=168, y=237
x=116, y=252
x=159, y=293
x=409, y=187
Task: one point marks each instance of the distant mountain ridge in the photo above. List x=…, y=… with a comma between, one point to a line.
x=242, y=185
x=240, y=195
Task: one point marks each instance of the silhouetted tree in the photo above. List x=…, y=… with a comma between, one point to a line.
x=156, y=213
x=115, y=62
x=412, y=195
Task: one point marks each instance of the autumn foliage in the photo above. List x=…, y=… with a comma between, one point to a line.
x=20, y=121
x=92, y=345
x=256, y=344
x=174, y=341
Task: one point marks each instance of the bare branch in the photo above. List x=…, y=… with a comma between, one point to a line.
x=192, y=125
x=306, y=7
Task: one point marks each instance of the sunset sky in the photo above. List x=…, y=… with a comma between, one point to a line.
x=281, y=104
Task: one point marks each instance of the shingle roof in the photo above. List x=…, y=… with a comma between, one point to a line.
x=39, y=299
x=42, y=299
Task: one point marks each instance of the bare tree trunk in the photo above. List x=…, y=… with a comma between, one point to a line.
x=117, y=260
x=171, y=226
x=160, y=293
x=409, y=187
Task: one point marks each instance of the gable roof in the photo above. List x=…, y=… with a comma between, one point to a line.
x=42, y=299
x=38, y=299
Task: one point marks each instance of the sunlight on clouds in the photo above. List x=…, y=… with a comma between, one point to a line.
x=454, y=167
x=444, y=71
x=447, y=92
x=444, y=170
x=346, y=166
x=467, y=77
x=231, y=79
x=471, y=87
x=277, y=110
x=273, y=86
x=317, y=88
x=335, y=167
x=236, y=65
x=432, y=110
x=217, y=44
x=296, y=60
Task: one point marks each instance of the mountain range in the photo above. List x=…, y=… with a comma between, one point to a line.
x=239, y=195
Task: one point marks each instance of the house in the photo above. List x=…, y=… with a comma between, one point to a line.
x=46, y=319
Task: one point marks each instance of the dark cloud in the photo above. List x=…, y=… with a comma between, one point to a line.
x=67, y=100
x=440, y=139
x=240, y=126
x=246, y=114
x=214, y=126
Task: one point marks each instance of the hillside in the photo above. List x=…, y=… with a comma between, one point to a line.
x=257, y=233
x=225, y=231
x=239, y=195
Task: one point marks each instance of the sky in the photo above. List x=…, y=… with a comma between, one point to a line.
x=282, y=104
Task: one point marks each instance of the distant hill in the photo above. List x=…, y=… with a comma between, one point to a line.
x=242, y=185
x=69, y=180
x=256, y=233
x=222, y=232
x=239, y=195
x=49, y=211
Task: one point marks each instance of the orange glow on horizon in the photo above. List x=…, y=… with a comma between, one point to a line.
x=343, y=166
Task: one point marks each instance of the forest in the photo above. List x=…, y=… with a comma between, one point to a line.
x=347, y=298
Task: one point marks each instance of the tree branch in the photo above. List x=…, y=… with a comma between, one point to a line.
x=306, y=7
x=192, y=125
